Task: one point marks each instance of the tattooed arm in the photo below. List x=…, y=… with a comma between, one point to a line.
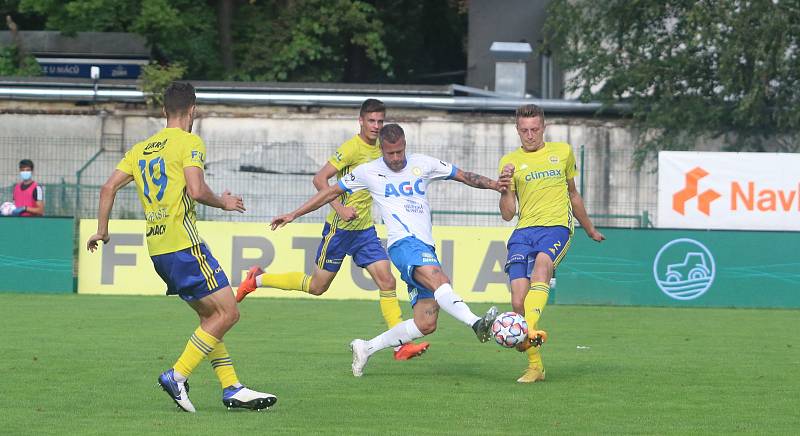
x=479, y=181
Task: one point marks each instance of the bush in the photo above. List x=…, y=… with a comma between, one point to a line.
x=154, y=80
x=14, y=64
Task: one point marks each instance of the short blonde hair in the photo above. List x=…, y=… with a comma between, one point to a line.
x=529, y=111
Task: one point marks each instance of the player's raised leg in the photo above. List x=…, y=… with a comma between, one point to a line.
x=390, y=307
x=420, y=269
x=432, y=277
x=331, y=252
x=291, y=281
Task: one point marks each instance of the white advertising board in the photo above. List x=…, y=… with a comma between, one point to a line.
x=734, y=191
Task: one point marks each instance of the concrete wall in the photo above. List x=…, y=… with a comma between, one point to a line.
x=287, y=146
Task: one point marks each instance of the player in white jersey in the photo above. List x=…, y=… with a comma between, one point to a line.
x=399, y=185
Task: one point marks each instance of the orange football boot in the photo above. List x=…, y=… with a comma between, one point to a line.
x=411, y=350
x=536, y=338
x=248, y=285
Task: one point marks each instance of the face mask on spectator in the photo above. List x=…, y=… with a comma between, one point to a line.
x=25, y=175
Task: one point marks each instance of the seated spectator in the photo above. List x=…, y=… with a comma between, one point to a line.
x=28, y=195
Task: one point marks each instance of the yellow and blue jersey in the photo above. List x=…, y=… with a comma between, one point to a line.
x=540, y=184
x=348, y=156
x=156, y=165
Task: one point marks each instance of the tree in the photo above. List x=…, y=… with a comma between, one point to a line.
x=156, y=78
x=309, y=40
x=726, y=69
x=14, y=61
x=277, y=40
x=181, y=31
x=427, y=39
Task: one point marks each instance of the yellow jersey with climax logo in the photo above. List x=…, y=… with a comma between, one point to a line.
x=540, y=184
x=349, y=155
x=156, y=165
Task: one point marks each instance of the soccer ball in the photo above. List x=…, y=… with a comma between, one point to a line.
x=509, y=329
x=7, y=208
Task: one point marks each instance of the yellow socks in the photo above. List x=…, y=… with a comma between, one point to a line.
x=390, y=308
x=293, y=281
x=534, y=358
x=198, y=347
x=223, y=366
x=535, y=302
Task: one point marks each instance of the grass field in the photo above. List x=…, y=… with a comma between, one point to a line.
x=88, y=365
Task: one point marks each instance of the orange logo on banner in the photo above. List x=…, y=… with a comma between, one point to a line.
x=690, y=191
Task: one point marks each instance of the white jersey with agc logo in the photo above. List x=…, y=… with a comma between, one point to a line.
x=401, y=195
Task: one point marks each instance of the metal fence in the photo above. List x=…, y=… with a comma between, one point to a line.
x=276, y=177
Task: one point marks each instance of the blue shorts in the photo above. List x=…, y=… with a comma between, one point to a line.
x=407, y=254
x=191, y=273
x=525, y=243
x=363, y=245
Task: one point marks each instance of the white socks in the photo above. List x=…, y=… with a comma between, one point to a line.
x=258, y=280
x=180, y=378
x=451, y=303
x=400, y=334
x=407, y=330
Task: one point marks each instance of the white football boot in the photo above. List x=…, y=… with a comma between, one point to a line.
x=360, y=356
x=241, y=397
x=178, y=391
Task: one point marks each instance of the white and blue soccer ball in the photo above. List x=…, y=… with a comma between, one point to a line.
x=7, y=208
x=509, y=329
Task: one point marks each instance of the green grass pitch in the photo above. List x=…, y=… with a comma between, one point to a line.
x=87, y=365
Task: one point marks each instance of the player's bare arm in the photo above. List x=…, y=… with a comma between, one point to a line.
x=579, y=211
x=508, y=200
x=108, y=193
x=320, y=199
x=200, y=192
x=37, y=209
x=320, y=181
x=478, y=181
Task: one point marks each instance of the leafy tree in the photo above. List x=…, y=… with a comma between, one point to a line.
x=726, y=69
x=14, y=63
x=156, y=78
x=308, y=40
x=277, y=40
x=14, y=60
x=427, y=39
x=177, y=30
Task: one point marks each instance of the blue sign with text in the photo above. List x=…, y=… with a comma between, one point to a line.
x=107, y=71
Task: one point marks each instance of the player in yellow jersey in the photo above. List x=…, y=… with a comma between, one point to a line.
x=167, y=169
x=349, y=230
x=542, y=184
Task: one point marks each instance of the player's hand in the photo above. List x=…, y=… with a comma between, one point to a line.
x=93, y=241
x=506, y=177
x=232, y=202
x=503, y=182
x=596, y=235
x=347, y=213
x=282, y=220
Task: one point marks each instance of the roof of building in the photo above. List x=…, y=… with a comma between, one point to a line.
x=82, y=44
